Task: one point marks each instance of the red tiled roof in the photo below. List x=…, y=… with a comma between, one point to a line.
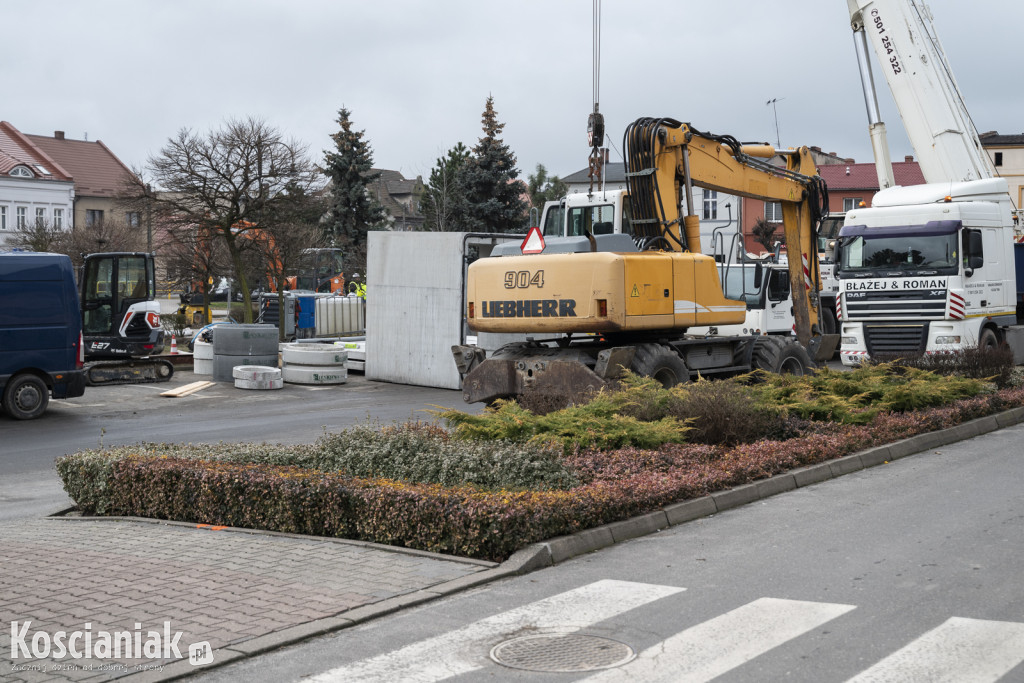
x=864, y=176
x=96, y=170
x=17, y=150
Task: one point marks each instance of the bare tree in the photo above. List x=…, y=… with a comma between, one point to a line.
x=293, y=229
x=192, y=259
x=224, y=186
x=111, y=234
x=40, y=236
x=764, y=233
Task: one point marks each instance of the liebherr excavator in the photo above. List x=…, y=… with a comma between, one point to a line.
x=610, y=301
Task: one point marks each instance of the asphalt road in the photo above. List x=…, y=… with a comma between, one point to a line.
x=137, y=413
x=909, y=571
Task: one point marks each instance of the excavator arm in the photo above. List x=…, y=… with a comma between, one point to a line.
x=666, y=158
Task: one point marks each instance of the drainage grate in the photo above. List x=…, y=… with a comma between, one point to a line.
x=559, y=652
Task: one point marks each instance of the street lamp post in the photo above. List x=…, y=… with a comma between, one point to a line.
x=149, y=220
x=778, y=141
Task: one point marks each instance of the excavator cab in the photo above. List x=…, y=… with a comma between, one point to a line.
x=120, y=314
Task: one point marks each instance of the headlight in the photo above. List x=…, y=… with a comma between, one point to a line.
x=849, y=341
x=948, y=340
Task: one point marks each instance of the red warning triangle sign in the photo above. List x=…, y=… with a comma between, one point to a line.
x=534, y=242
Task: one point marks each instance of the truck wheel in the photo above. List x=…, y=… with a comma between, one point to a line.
x=988, y=341
x=660, y=363
x=828, y=321
x=772, y=354
x=26, y=397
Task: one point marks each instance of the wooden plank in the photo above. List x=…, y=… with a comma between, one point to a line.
x=187, y=389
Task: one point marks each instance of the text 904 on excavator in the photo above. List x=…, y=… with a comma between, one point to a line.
x=121, y=320
x=609, y=302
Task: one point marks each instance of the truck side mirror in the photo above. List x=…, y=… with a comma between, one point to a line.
x=975, y=252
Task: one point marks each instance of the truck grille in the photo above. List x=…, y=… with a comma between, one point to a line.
x=915, y=303
x=893, y=340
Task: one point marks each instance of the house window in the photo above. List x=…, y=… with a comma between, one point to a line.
x=999, y=158
x=58, y=219
x=21, y=172
x=3, y=217
x=710, y=205
x=851, y=203
x=20, y=218
x=40, y=217
x=93, y=217
x=132, y=218
x=773, y=212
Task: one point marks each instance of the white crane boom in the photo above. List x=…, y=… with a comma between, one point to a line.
x=922, y=84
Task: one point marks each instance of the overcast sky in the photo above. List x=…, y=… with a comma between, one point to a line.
x=416, y=74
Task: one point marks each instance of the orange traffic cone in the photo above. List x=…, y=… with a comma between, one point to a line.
x=174, y=345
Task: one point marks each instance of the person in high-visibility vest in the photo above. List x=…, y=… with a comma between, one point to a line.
x=356, y=287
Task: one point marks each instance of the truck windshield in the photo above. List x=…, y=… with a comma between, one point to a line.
x=888, y=251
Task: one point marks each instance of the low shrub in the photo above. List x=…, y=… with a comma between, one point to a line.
x=856, y=397
x=424, y=453
x=995, y=365
x=175, y=323
x=727, y=412
x=600, y=424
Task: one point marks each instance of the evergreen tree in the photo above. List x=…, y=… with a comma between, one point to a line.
x=353, y=211
x=544, y=188
x=444, y=200
x=489, y=179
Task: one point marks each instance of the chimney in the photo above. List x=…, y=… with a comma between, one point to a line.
x=908, y=159
x=58, y=135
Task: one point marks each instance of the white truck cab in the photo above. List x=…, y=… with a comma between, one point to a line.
x=601, y=213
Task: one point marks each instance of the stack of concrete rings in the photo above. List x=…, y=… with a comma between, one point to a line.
x=257, y=377
x=235, y=345
x=314, y=364
x=202, y=358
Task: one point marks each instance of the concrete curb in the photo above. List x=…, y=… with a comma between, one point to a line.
x=556, y=550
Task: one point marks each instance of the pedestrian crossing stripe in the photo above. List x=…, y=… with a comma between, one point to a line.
x=458, y=652
x=958, y=650
x=714, y=647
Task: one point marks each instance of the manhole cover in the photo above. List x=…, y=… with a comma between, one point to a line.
x=560, y=652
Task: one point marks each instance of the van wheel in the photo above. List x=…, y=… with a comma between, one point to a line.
x=26, y=397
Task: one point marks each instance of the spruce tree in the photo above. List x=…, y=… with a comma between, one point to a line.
x=489, y=179
x=353, y=211
x=444, y=201
x=544, y=188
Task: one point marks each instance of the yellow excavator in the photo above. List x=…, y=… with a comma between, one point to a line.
x=614, y=301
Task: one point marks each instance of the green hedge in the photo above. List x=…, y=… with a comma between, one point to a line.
x=157, y=481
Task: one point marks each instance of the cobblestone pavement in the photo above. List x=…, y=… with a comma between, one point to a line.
x=218, y=586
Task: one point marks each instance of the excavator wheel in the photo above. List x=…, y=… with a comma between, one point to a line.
x=781, y=356
x=660, y=363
